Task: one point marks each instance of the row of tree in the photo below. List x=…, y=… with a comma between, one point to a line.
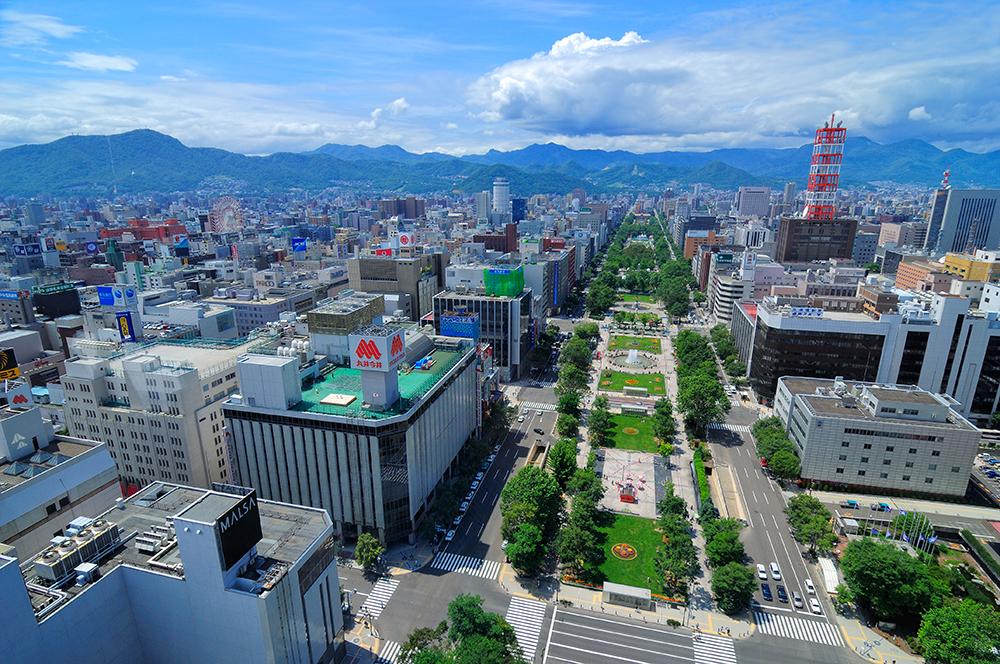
x=774, y=447
x=727, y=352
x=474, y=637
x=700, y=395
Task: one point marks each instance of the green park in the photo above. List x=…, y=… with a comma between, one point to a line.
x=629, y=297
x=632, y=433
x=617, y=381
x=645, y=344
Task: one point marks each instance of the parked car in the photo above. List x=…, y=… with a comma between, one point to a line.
x=538, y=412
x=474, y=486
x=810, y=588
x=491, y=458
x=797, y=599
x=525, y=411
x=457, y=520
x=521, y=418
x=479, y=477
x=496, y=448
x=765, y=590
x=814, y=605
x=761, y=571
x=450, y=536
x=782, y=595
x=464, y=507
x=849, y=504
x=469, y=496
x=775, y=572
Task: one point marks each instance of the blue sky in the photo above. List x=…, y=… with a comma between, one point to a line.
x=461, y=77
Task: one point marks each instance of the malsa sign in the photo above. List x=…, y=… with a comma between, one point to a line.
x=377, y=353
x=239, y=529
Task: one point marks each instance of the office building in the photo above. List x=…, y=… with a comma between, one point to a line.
x=368, y=443
x=335, y=318
x=158, y=408
x=47, y=479
x=982, y=266
x=501, y=196
x=865, y=244
x=695, y=239
x=178, y=574
x=808, y=240
x=753, y=201
x=897, y=439
x=970, y=220
x=16, y=307
x=484, y=205
x=254, y=308
x=681, y=226
x=923, y=276
x=789, y=198
x=420, y=277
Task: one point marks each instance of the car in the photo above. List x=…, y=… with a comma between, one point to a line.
x=810, y=588
x=763, y=462
x=782, y=595
x=538, y=412
x=850, y=504
x=775, y=572
x=814, y=605
x=464, y=507
x=761, y=571
x=797, y=599
x=525, y=411
x=469, y=496
x=491, y=458
x=992, y=475
x=496, y=448
x=450, y=536
x=504, y=545
x=765, y=590
x=521, y=418
x=457, y=520
x=539, y=431
x=881, y=507
x=479, y=477
x=474, y=485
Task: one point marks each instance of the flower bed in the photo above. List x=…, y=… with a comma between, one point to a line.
x=624, y=551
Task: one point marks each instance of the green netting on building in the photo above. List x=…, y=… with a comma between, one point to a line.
x=504, y=282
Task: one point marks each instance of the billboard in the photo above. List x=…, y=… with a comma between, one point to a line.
x=239, y=530
x=810, y=312
x=130, y=296
x=13, y=295
x=50, y=244
x=407, y=239
x=91, y=247
x=52, y=288
x=106, y=296
x=298, y=244
x=60, y=245
x=8, y=364
x=749, y=260
x=383, y=252
x=377, y=353
x=180, y=242
x=124, y=321
x=466, y=327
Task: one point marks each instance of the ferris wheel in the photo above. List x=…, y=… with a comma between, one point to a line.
x=227, y=216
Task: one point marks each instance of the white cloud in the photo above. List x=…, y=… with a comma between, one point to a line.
x=92, y=62
x=167, y=77
x=919, y=113
x=580, y=43
x=449, y=125
x=398, y=106
x=32, y=29
x=373, y=123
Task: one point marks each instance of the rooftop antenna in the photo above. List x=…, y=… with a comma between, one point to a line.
x=944, y=182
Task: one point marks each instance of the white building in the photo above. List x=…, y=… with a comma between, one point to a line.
x=177, y=574
x=863, y=435
x=753, y=202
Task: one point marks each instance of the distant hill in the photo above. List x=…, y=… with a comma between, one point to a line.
x=145, y=160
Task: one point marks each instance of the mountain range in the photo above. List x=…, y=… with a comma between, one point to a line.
x=145, y=160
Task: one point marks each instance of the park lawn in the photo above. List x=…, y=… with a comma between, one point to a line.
x=628, y=297
x=641, y=534
x=647, y=344
x=616, y=382
x=642, y=441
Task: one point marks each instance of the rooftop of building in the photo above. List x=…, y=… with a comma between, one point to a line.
x=205, y=355
x=345, y=302
x=413, y=384
x=785, y=311
x=60, y=450
x=147, y=540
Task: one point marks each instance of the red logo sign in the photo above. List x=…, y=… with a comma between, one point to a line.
x=404, y=239
x=397, y=345
x=19, y=399
x=383, y=252
x=367, y=349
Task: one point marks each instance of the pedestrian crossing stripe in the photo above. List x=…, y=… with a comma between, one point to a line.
x=534, y=405
x=712, y=649
x=739, y=428
x=486, y=569
x=798, y=628
x=526, y=617
x=388, y=653
x=379, y=597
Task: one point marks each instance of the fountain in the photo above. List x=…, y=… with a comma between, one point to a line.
x=633, y=356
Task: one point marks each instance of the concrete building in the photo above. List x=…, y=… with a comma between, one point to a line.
x=501, y=196
x=723, y=294
x=16, y=307
x=368, y=443
x=969, y=220
x=806, y=240
x=48, y=479
x=865, y=245
x=923, y=276
x=255, y=308
x=695, y=239
x=981, y=266
x=335, y=318
x=899, y=439
x=179, y=574
x=753, y=201
x=158, y=408
x=420, y=277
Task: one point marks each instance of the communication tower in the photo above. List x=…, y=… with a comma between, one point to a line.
x=824, y=171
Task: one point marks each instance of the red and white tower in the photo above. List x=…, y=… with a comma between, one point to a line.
x=824, y=172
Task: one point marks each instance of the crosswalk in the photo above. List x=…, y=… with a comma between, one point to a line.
x=486, y=569
x=798, y=628
x=534, y=405
x=379, y=597
x=712, y=649
x=526, y=617
x=388, y=654
x=738, y=428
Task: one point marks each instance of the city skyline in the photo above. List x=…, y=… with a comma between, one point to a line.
x=259, y=78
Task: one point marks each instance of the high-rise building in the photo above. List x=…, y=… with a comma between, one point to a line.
x=179, y=574
x=754, y=201
x=970, y=220
x=483, y=206
x=501, y=196
x=806, y=240
x=419, y=277
x=789, y=194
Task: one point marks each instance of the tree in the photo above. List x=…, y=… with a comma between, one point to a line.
x=994, y=422
x=664, y=425
x=587, y=331
x=894, y=584
x=424, y=640
x=702, y=400
x=678, y=309
x=602, y=296
x=576, y=352
x=671, y=503
x=467, y=617
x=733, y=586
x=368, y=551
x=784, y=464
x=599, y=423
x=572, y=380
x=967, y=633
x=525, y=550
x=535, y=487
x=567, y=425
x=734, y=367
x=698, y=297
x=577, y=545
x=514, y=515
x=569, y=404
x=724, y=548
x=562, y=460
x=874, y=268
x=810, y=523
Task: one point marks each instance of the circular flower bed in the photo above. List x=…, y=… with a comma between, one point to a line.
x=606, y=382
x=657, y=379
x=624, y=551
x=632, y=382
x=630, y=431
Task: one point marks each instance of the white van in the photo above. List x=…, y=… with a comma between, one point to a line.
x=775, y=572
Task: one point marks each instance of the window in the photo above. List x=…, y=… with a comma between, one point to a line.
x=843, y=457
x=864, y=459
x=890, y=448
x=50, y=509
x=845, y=444
x=868, y=446
x=861, y=473
x=909, y=464
x=63, y=502
x=936, y=453
x=928, y=480
x=906, y=478
x=883, y=475
x=955, y=469
x=886, y=462
x=840, y=471
x=933, y=466
x=913, y=450
x=910, y=411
